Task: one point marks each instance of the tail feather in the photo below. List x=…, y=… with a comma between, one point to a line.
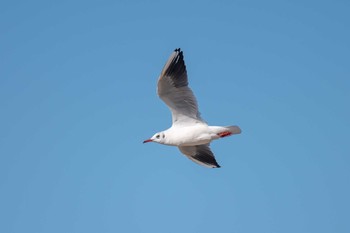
x=220, y=132
x=234, y=129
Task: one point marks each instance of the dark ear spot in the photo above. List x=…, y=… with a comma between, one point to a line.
x=163, y=135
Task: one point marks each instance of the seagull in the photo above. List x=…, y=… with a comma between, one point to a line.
x=189, y=132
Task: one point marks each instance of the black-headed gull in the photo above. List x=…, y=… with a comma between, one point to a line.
x=189, y=131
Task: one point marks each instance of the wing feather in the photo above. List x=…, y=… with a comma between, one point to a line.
x=174, y=91
x=200, y=154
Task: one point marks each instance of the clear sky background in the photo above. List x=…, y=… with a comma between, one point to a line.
x=78, y=97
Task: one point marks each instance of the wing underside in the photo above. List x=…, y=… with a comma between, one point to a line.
x=174, y=91
x=200, y=154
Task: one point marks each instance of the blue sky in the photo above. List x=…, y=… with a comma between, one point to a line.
x=78, y=97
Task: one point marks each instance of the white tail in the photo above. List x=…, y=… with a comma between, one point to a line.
x=234, y=129
x=220, y=132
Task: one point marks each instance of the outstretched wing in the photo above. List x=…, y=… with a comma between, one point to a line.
x=174, y=91
x=200, y=154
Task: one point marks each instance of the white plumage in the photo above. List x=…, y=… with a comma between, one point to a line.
x=189, y=131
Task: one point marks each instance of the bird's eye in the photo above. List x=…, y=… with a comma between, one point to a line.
x=157, y=136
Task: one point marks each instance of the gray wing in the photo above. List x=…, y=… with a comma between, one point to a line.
x=200, y=154
x=174, y=91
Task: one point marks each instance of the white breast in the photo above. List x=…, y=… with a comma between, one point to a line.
x=193, y=135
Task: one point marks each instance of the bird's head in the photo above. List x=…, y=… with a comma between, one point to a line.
x=158, y=137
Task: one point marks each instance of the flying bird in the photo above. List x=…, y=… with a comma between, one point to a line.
x=189, y=132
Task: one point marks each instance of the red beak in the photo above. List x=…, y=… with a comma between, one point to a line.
x=148, y=140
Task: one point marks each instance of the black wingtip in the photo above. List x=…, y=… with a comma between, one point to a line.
x=175, y=69
x=178, y=50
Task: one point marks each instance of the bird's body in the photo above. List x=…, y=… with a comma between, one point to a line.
x=192, y=135
x=189, y=132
